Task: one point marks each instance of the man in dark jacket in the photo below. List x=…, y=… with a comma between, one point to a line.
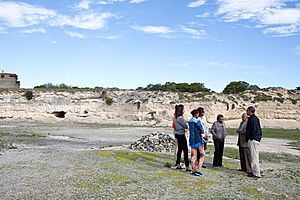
x=253, y=136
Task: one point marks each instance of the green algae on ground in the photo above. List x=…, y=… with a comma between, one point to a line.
x=135, y=156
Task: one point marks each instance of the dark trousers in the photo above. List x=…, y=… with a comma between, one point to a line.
x=182, y=146
x=245, y=159
x=218, y=154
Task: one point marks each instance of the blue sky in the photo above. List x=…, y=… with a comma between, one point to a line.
x=132, y=43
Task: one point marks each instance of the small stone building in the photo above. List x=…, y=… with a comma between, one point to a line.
x=9, y=81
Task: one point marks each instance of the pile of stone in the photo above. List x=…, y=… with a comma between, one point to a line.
x=155, y=142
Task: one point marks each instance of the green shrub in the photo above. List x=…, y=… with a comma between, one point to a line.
x=281, y=100
x=262, y=97
x=168, y=165
x=294, y=101
x=279, y=94
x=236, y=87
x=245, y=97
x=176, y=87
x=109, y=101
x=29, y=95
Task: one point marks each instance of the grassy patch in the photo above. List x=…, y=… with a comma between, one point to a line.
x=121, y=180
x=252, y=191
x=157, y=160
x=291, y=134
x=30, y=136
x=3, y=134
x=278, y=157
x=231, y=152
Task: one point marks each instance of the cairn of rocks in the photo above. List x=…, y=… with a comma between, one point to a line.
x=155, y=142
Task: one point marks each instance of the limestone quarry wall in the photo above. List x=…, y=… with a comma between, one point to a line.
x=133, y=107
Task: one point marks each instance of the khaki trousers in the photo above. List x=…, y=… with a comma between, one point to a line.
x=254, y=147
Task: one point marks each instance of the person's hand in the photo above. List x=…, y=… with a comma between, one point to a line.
x=206, y=137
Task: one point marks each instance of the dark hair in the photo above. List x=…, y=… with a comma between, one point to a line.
x=219, y=116
x=251, y=109
x=200, y=109
x=194, y=112
x=179, y=110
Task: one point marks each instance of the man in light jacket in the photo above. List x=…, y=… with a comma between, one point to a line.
x=244, y=149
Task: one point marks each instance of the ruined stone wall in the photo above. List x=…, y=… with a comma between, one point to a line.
x=9, y=81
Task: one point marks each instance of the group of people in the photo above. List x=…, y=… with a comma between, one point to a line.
x=249, y=136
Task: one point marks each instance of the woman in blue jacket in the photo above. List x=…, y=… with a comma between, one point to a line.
x=196, y=142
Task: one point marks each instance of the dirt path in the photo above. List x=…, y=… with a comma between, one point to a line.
x=268, y=145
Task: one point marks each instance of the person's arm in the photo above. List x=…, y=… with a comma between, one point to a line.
x=225, y=130
x=239, y=130
x=250, y=129
x=200, y=126
x=213, y=129
x=243, y=128
x=191, y=138
x=182, y=122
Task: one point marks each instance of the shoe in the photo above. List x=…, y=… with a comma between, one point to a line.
x=204, y=166
x=200, y=174
x=253, y=176
x=195, y=174
x=188, y=169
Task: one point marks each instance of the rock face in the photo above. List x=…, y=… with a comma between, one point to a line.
x=155, y=142
x=140, y=108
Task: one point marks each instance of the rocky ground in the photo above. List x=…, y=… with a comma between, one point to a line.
x=89, y=161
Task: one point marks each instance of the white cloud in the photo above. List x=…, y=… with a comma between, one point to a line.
x=196, y=3
x=233, y=10
x=281, y=16
x=137, y=1
x=75, y=35
x=105, y=2
x=110, y=37
x=282, y=31
x=13, y=14
x=90, y=21
x=197, y=34
x=18, y=14
x=34, y=30
x=84, y=4
x=278, y=17
x=154, y=29
x=203, y=15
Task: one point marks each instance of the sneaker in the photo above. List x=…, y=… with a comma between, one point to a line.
x=200, y=174
x=188, y=169
x=195, y=174
x=204, y=166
